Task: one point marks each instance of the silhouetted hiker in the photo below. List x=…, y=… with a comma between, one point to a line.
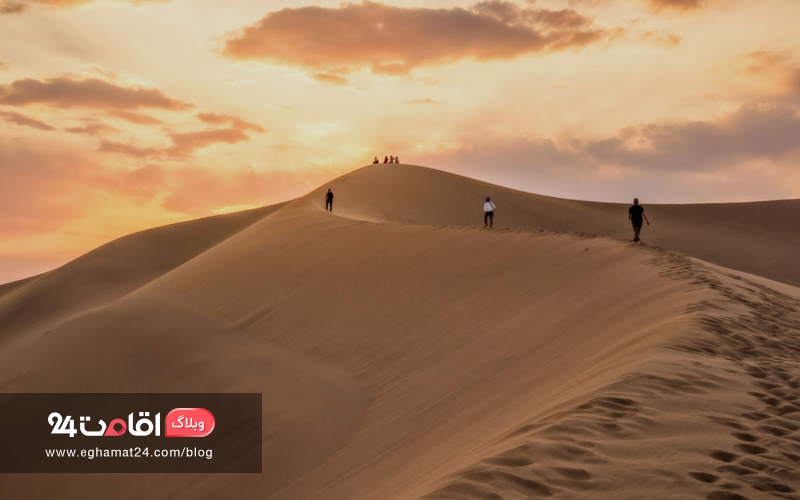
x=329, y=201
x=391, y=159
x=385, y=159
x=635, y=214
x=376, y=161
x=397, y=159
x=488, y=216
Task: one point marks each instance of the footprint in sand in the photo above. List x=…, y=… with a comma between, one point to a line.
x=725, y=495
x=704, y=477
x=723, y=456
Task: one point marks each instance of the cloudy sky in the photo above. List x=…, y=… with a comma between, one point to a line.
x=117, y=116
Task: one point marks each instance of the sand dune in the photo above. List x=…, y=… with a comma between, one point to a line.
x=405, y=353
x=113, y=270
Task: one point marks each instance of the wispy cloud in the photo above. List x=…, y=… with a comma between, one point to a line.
x=89, y=93
x=25, y=121
x=128, y=149
x=779, y=67
x=679, y=5
x=232, y=121
x=17, y=6
x=660, y=39
x=133, y=117
x=184, y=144
x=92, y=129
x=330, y=78
x=43, y=186
x=11, y=7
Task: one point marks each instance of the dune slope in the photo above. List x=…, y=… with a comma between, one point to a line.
x=113, y=270
x=405, y=355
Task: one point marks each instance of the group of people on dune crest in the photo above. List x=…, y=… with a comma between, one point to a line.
x=387, y=159
x=636, y=213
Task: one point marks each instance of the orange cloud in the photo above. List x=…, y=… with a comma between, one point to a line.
x=132, y=117
x=47, y=185
x=44, y=185
x=765, y=60
x=395, y=40
x=421, y=101
x=682, y=5
x=73, y=3
x=186, y=143
x=183, y=144
x=778, y=68
x=90, y=93
x=14, y=7
x=513, y=15
x=233, y=121
x=10, y=7
x=25, y=121
x=92, y=129
x=31, y=188
x=329, y=78
x=128, y=149
x=661, y=39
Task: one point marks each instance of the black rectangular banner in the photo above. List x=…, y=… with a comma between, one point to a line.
x=161, y=433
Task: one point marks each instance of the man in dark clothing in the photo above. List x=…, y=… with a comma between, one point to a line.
x=635, y=214
x=329, y=202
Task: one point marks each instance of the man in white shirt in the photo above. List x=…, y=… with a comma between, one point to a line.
x=488, y=216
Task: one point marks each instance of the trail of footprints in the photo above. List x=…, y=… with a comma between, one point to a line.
x=590, y=451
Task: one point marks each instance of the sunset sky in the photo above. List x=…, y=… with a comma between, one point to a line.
x=117, y=116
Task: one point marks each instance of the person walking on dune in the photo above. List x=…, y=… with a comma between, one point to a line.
x=375, y=161
x=329, y=201
x=635, y=214
x=488, y=216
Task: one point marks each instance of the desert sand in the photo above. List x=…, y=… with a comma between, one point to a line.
x=406, y=352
